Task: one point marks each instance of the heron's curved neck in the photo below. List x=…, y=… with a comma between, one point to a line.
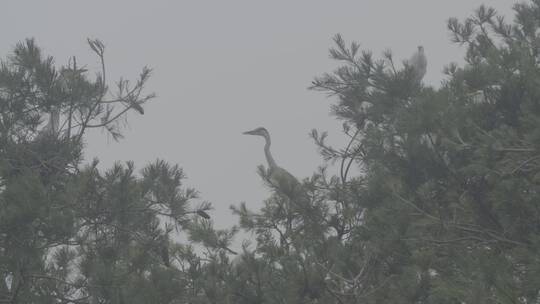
x=269, y=158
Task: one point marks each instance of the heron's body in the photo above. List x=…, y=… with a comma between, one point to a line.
x=283, y=180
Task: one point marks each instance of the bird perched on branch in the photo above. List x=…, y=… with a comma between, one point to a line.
x=66, y=79
x=52, y=126
x=418, y=62
x=278, y=177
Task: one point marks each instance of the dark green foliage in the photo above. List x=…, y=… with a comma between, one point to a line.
x=435, y=199
x=445, y=209
x=68, y=233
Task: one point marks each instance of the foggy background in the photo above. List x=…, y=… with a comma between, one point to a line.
x=224, y=67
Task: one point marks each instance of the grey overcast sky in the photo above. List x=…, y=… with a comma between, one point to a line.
x=224, y=67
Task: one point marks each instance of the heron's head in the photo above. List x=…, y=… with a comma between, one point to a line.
x=259, y=131
x=420, y=49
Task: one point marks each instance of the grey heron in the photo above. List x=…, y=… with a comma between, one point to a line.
x=418, y=62
x=278, y=177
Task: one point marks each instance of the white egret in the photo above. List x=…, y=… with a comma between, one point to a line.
x=418, y=62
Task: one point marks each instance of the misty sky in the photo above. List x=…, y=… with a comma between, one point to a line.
x=224, y=67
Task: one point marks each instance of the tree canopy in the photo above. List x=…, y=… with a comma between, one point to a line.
x=435, y=199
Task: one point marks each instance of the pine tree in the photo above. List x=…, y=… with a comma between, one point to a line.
x=445, y=209
x=69, y=233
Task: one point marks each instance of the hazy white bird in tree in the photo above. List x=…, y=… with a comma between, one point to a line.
x=278, y=177
x=51, y=128
x=237, y=261
x=418, y=62
x=67, y=75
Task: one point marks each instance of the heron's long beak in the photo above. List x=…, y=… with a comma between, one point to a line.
x=249, y=132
